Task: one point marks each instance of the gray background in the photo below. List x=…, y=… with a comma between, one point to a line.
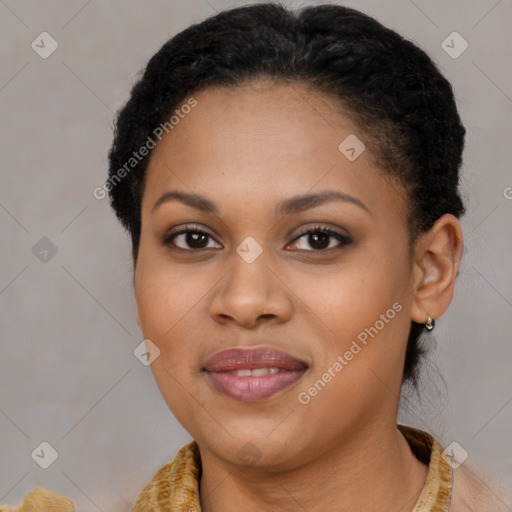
x=68, y=375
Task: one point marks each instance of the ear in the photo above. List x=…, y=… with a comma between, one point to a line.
x=438, y=254
x=138, y=320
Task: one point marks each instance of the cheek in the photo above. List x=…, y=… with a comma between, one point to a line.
x=358, y=365
x=166, y=308
x=165, y=295
x=364, y=304
x=168, y=305
x=352, y=295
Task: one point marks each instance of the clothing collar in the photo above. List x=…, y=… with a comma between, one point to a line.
x=175, y=486
x=436, y=493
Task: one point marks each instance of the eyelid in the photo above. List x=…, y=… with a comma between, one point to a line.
x=320, y=227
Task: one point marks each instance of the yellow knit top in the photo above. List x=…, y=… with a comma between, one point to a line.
x=175, y=486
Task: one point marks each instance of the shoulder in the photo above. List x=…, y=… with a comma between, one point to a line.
x=41, y=500
x=475, y=490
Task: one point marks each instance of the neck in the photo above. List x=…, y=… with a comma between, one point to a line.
x=373, y=469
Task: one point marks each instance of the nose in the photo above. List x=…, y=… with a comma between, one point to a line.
x=252, y=293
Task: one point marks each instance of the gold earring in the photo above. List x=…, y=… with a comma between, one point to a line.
x=430, y=323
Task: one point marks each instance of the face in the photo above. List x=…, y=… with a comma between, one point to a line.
x=242, y=267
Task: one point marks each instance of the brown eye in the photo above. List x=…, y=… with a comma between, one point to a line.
x=321, y=239
x=188, y=239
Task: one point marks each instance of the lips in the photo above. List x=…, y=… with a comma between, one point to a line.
x=251, y=358
x=252, y=374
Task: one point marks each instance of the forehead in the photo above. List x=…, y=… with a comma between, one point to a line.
x=264, y=141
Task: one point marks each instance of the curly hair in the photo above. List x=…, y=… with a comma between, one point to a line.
x=391, y=88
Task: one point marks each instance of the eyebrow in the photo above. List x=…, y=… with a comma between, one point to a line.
x=289, y=206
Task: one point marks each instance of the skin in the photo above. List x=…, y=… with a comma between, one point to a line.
x=247, y=149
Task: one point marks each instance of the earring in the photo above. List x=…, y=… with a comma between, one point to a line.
x=430, y=323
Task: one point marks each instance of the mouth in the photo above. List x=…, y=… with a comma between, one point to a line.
x=253, y=374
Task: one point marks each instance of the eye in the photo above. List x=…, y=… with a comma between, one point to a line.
x=321, y=238
x=191, y=237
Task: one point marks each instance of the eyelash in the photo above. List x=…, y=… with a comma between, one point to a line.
x=343, y=239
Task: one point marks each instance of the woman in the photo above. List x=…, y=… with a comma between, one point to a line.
x=290, y=185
